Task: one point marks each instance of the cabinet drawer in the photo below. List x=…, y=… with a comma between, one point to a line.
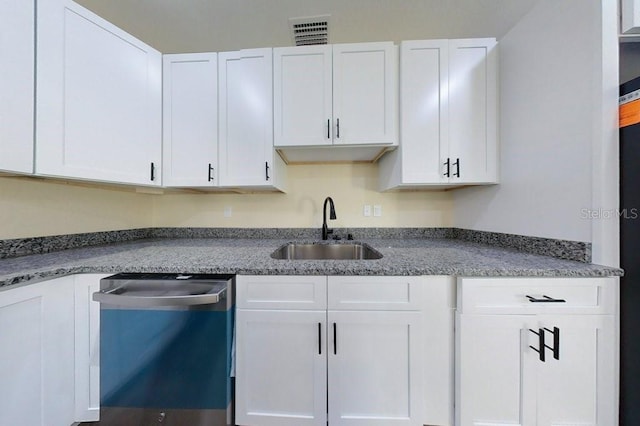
x=375, y=293
x=281, y=292
x=537, y=295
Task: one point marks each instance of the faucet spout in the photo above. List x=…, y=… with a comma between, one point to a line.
x=332, y=216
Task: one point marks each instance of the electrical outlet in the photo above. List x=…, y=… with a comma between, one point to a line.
x=377, y=210
x=228, y=211
x=366, y=211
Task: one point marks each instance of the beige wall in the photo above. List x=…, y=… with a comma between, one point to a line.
x=33, y=207
x=350, y=185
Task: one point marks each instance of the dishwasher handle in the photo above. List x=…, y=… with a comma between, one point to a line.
x=111, y=297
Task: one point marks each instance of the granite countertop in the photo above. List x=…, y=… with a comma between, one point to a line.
x=412, y=256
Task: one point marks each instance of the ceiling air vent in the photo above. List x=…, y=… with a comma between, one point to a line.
x=310, y=30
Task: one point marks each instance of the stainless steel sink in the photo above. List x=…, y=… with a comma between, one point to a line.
x=305, y=251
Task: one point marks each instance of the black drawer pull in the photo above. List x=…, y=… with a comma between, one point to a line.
x=545, y=299
x=448, y=164
x=319, y=338
x=210, y=177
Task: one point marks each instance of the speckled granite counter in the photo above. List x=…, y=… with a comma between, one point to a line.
x=413, y=256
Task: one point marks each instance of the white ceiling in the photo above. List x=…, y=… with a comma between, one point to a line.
x=179, y=26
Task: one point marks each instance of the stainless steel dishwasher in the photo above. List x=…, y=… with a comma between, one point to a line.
x=166, y=349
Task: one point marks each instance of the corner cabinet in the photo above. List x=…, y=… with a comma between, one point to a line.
x=246, y=154
x=344, y=351
x=49, y=364
x=190, y=120
x=98, y=109
x=448, y=115
x=547, y=345
x=37, y=367
x=17, y=45
x=335, y=95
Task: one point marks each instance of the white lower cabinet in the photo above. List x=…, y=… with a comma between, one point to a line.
x=375, y=366
x=36, y=366
x=281, y=368
x=87, y=348
x=506, y=374
x=343, y=350
x=49, y=340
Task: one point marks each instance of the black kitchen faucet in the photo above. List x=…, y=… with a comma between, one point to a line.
x=332, y=215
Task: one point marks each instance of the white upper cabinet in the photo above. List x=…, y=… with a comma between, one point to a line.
x=302, y=84
x=630, y=11
x=365, y=93
x=99, y=99
x=17, y=21
x=190, y=120
x=472, y=111
x=343, y=94
x=246, y=154
x=448, y=115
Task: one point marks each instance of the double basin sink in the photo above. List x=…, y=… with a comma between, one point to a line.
x=321, y=251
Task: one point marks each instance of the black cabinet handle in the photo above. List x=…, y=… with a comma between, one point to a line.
x=328, y=129
x=338, y=128
x=541, y=346
x=545, y=299
x=319, y=338
x=153, y=171
x=210, y=176
x=457, y=164
x=556, y=342
x=335, y=339
x=266, y=169
x=448, y=164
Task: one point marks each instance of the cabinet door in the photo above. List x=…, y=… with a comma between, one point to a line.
x=17, y=43
x=281, y=368
x=580, y=387
x=495, y=372
x=375, y=368
x=87, y=348
x=246, y=118
x=365, y=78
x=99, y=103
x=424, y=83
x=302, y=84
x=190, y=120
x=36, y=337
x=473, y=110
